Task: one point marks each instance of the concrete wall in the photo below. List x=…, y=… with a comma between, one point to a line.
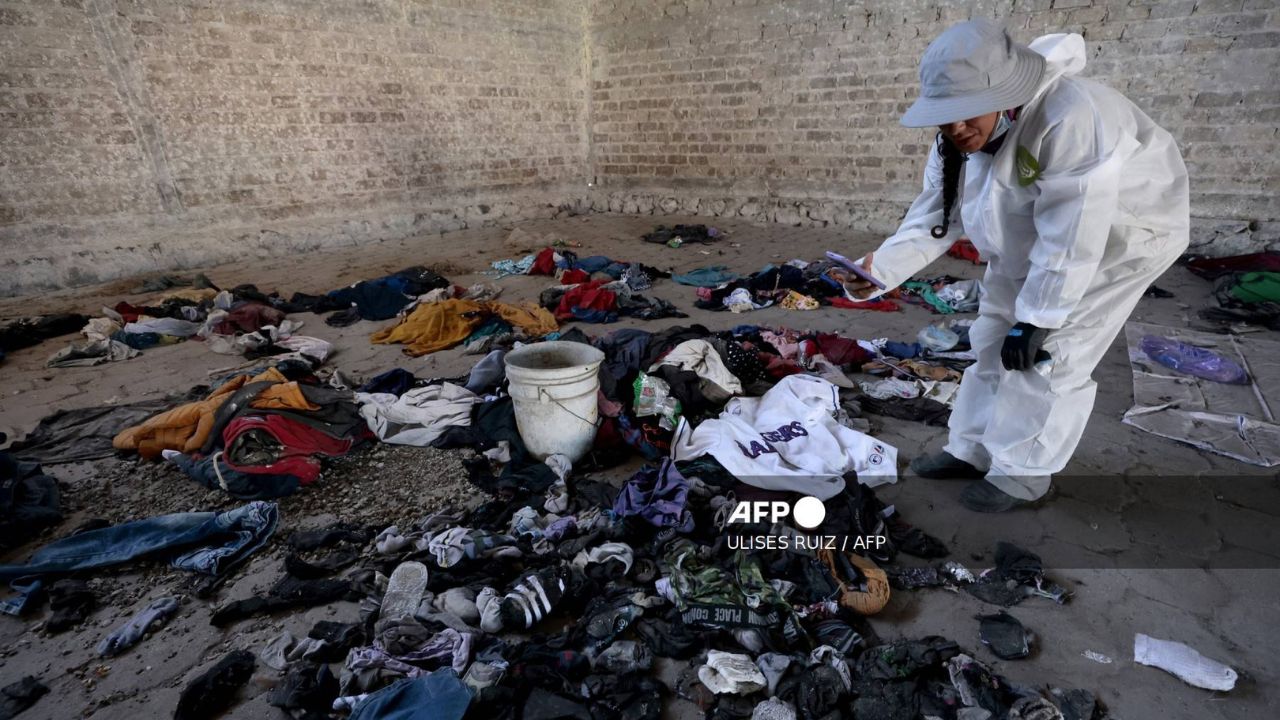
x=147, y=134
x=138, y=135
x=788, y=111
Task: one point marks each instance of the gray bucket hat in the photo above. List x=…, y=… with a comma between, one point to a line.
x=971, y=69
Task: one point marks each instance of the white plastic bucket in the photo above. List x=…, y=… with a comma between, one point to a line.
x=553, y=387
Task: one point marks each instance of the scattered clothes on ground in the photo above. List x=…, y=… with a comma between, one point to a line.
x=917, y=409
x=798, y=301
x=1183, y=662
x=877, y=305
x=699, y=357
x=1214, y=268
x=503, y=268
x=437, y=326
x=1018, y=574
x=93, y=352
x=420, y=415
x=1006, y=637
x=789, y=439
x=132, y=632
x=1157, y=292
x=438, y=696
x=963, y=295
x=186, y=428
x=203, y=542
x=278, y=444
x=215, y=690
x=393, y=382
x=963, y=249
x=16, y=697
x=287, y=594
x=1248, y=289
x=701, y=234
x=213, y=472
x=658, y=496
x=26, y=332
x=463, y=613
x=706, y=277
x=375, y=299
x=29, y=500
x=71, y=602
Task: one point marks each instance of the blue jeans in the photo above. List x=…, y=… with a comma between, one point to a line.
x=440, y=696
x=204, y=542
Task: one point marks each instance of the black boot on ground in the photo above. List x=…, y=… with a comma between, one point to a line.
x=944, y=466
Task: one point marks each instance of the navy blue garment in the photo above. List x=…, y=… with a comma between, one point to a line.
x=624, y=350
x=203, y=542
x=381, y=298
x=593, y=316
x=239, y=485
x=438, y=696
x=396, y=382
x=592, y=263
x=29, y=500
x=377, y=299
x=906, y=351
x=137, y=341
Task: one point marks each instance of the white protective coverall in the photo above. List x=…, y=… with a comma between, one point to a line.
x=1073, y=251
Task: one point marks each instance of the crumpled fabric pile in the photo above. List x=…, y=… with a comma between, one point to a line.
x=804, y=285
x=254, y=436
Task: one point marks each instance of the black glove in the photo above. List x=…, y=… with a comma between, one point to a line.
x=1021, y=348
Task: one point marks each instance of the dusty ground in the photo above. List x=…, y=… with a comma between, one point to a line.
x=1194, y=557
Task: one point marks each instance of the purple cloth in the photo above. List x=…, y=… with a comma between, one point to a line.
x=560, y=528
x=658, y=496
x=448, y=648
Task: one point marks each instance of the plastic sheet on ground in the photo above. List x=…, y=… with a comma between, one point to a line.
x=1238, y=421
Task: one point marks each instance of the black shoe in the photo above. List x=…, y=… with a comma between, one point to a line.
x=983, y=497
x=944, y=466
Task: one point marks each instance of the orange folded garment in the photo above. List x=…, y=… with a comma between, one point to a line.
x=441, y=325
x=186, y=427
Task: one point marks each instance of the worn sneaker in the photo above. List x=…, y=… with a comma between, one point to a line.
x=532, y=598
x=983, y=497
x=944, y=466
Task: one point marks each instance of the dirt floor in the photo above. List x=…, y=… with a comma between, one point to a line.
x=1192, y=555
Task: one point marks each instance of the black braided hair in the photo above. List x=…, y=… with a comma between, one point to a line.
x=952, y=161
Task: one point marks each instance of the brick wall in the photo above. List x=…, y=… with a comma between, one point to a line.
x=788, y=111
x=138, y=135
x=145, y=134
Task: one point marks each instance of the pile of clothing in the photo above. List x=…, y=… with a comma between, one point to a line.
x=29, y=500
x=376, y=299
x=238, y=321
x=1247, y=288
x=209, y=544
x=679, y=235
x=254, y=437
x=804, y=285
x=26, y=332
x=469, y=618
x=592, y=289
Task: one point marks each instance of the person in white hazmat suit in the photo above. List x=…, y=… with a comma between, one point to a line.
x=1076, y=200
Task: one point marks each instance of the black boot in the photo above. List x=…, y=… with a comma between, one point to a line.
x=981, y=496
x=944, y=466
